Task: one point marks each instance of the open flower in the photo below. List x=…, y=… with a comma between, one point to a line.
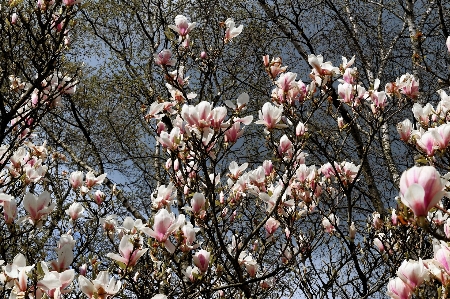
x=270, y=116
x=38, y=207
x=130, y=251
x=421, y=188
x=76, y=179
x=165, y=224
x=413, y=273
x=164, y=58
x=232, y=31
x=102, y=287
x=329, y=223
x=92, y=180
x=75, y=211
x=182, y=26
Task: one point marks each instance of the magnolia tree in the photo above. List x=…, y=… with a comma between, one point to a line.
x=295, y=223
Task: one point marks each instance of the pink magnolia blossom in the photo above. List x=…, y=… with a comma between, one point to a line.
x=10, y=211
x=447, y=228
x=448, y=43
x=83, y=269
x=241, y=102
x=340, y=122
x=233, y=133
x=165, y=224
x=270, y=116
x=421, y=188
x=14, y=17
x=192, y=273
x=5, y=198
x=398, y=289
x=130, y=251
x=320, y=67
x=20, y=157
x=129, y=225
x=379, y=243
x=272, y=199
x=65, y=258
x=394, y=217
x=274, y=67
x=76, y=179
x=350, y=76
x=182, y=26
x=177, y=77
x=428, y=143
x=345, y=92
x=413, y=273
x=75, y=211
x=268, y=167
x=404, y=128
x=18, y=271
x=327, y=170
x=285, y=146
x=99, y=197
x=172, y=141
x=102, y=287
x=422, y=114
x=231, y=31
x=19, y=264
x=437, y=217
x=286, y=81
x=197, y=116
x=55, y=283
x=329, y=223
x=252, y=267
x=218, y=115
x=198, y=202
x=189, y=237
x=442, y=258
x=109, y=223
x=441, y=135
x=347, y=63
x=92, y=180
x=271, y=225
x=38, y=207
x=347, y=171
x=408, y=85
x=236, y=170
x=164, y=58
x=155, y=110
x=164, y=196
x=378, y=101
x=201, y=260
x=301, y=129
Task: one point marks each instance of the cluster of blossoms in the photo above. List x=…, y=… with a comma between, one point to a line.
x=412, y=274
x=51, y=91
x=431, y=134
x=23, y=179
x=422, y=190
